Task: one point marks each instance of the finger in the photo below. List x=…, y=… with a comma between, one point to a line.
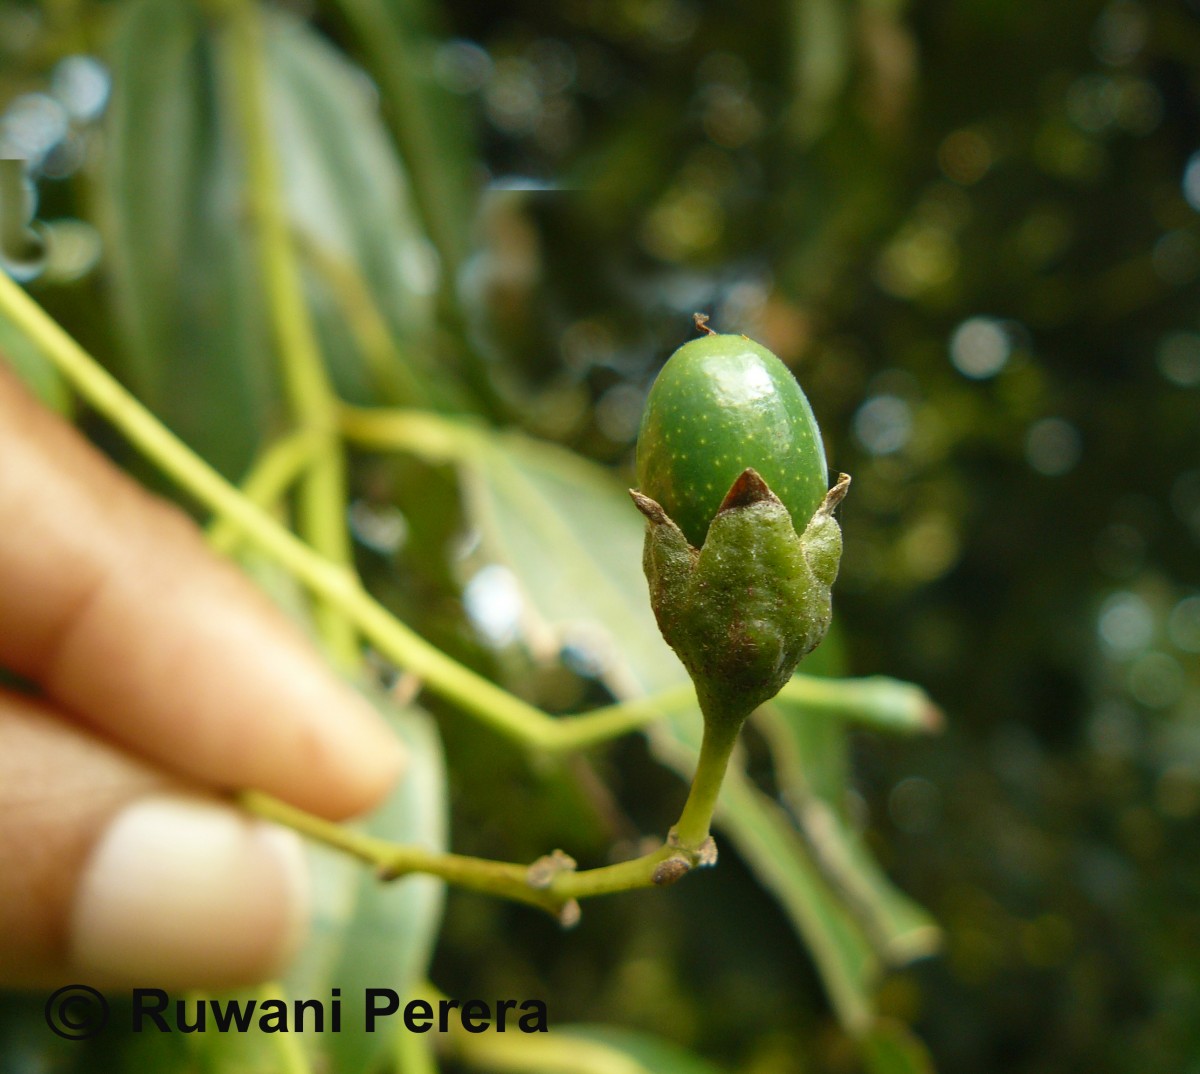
x=111, y=601
x=113, y=873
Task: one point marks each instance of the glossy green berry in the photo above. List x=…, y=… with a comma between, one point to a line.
x=720, y=405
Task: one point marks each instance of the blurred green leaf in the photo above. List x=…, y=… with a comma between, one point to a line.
x=821, y=62
x=892, y=1048
x=249, y=1052
x=431, y=126
x=810, y=754
x=810, y=751
x=351, y=205
x=769, y=843
x=185, y=281
x=184, y=265
x=573, y=538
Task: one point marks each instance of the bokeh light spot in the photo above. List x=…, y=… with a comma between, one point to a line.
x=493, y=602
x=965, y=156
x=1175, y=257
x=980, y=347
x=1179, y=358
x=382, y=527
x=619, y=413
x=883, y=425
x=33, y=125
x=73, y=249
x=930, y=547
x=511, y=98
x=921, y=258
x=81, y=84
x=1125, y=623
x=1093, y=102
x=1191, y=181
x=462, y=66
x=1183, y=625
x=1156, y=680
x=1053, y=446
x=1120, y=32
x=1177, y=793
x=1047, y=940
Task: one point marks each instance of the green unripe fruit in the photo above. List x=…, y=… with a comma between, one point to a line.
x=723, y=403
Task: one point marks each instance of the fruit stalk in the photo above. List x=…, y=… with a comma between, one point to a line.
x=691, y=831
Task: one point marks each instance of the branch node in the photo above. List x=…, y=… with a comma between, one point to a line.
x=671, y=871
x=700, y=856
x=387, y=871
x=542, y=872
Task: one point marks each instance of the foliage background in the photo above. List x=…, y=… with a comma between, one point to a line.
x=970, y=229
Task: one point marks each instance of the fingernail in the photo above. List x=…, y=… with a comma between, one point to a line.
x=183, y=892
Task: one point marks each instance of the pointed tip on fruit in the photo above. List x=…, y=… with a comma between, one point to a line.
x=835, y=495
x=652, y=509
x=747, y=488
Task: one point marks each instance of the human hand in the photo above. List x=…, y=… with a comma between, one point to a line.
x=162, y=677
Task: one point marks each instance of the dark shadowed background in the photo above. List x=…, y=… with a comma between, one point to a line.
x=970, y=229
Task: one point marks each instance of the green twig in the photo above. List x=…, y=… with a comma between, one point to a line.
x=428, y=436
x=276, y=470
x=322, y=492
x=875, y=701
x=551, y=884
x=488, y=702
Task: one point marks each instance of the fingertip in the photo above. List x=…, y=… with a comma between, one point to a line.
x=312, y=739
x=362, y=764
x=184, y=892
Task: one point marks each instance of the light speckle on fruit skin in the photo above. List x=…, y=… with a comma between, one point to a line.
x=751, y=412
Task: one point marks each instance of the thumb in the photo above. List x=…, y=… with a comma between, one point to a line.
x=116, y=874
